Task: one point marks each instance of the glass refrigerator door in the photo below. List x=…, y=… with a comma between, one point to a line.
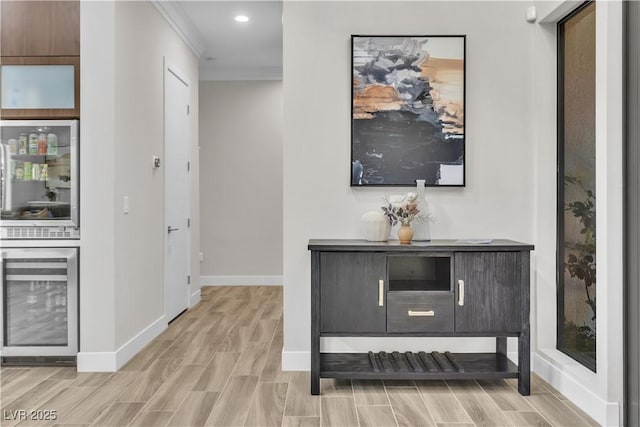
x=39, y=173
x=39, y=295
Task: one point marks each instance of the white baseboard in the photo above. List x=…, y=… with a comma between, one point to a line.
x=137, y=343
x=605, y=413
x=111, y=361
x=241, y=280
x=415, y=344
x=296, y=360
x=195, y=298
x=104, y=361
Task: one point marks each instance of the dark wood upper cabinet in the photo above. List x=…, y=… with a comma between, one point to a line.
x=40, y=54
x=40, y=28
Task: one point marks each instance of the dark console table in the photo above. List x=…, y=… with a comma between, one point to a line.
x=425, y=289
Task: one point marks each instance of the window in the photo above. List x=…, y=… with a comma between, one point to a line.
x=576, y=186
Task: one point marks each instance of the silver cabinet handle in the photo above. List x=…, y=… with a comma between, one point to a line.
x=381, y=293
x=34, y=277
x=169, y=229
x=417, y=313
x=460, y=292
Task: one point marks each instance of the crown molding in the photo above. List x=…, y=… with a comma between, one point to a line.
x=173, y=13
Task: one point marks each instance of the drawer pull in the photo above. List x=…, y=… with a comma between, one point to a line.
x=416, y=313
x=460, y=292
x=381, y=293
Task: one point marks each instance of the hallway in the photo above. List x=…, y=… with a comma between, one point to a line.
x=219, y=364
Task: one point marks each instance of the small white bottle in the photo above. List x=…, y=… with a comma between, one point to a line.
x=35, y=171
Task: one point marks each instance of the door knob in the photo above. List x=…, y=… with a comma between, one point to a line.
x=169, y=229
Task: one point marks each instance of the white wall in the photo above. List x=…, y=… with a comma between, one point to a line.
x=511, y=188
x=139, y=135
x=97, y=157
x=121, y=289
x=318, y=203
x=599, y=394
x=241, y=181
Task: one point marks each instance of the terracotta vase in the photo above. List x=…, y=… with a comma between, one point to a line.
x=405, y=234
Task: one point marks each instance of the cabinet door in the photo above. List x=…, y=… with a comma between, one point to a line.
x=349, y=292
x=40, y=28
x=37, y=87
x=491, y=292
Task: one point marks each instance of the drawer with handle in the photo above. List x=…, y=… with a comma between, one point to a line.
x=420, y=311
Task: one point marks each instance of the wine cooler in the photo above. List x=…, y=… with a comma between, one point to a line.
x=39, y=303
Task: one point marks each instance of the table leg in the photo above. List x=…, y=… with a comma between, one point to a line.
x=524, y=364
x=315, y=365
x=315, y=322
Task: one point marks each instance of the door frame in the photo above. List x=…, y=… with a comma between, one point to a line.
x=169, y=67
x=632, y=222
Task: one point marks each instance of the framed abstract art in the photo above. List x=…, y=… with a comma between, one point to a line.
x=408, y=110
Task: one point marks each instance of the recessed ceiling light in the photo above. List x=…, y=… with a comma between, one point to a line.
x=242, y=18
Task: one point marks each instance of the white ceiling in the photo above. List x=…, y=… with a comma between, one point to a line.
x=230, y=50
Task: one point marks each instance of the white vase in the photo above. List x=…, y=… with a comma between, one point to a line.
x=421, y=229
x=375, y=226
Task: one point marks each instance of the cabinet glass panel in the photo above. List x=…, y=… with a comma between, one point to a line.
x=37, y=86
x=419, y=273
x=36, y=302
x=40, y=183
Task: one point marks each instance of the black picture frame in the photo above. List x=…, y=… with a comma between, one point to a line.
x=398, y=133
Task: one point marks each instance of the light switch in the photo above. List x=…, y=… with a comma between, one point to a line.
x=125, y=204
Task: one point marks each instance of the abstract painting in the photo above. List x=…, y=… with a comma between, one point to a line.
x=407, y=109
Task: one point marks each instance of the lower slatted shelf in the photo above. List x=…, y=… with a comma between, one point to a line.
x=421, y=365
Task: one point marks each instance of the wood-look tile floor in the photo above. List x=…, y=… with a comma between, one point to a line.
x=219, y=365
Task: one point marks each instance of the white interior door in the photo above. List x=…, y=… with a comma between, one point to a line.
x=177, y=137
